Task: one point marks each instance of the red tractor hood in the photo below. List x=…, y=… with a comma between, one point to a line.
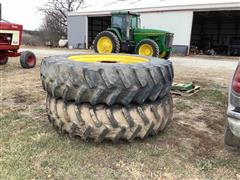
x=10, y=26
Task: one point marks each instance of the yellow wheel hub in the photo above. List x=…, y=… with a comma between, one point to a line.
x=145, y=50
x=108, y=58
x=104, y=45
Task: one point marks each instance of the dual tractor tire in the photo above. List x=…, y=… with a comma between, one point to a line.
x=108, y=100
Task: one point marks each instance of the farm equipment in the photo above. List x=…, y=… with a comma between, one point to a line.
x=184, y=89
x=125, y=35
x=10, y=41
x=109, y=97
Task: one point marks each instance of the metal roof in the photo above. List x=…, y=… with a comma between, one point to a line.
x=104, y=7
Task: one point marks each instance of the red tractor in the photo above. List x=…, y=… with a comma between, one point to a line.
x=10, y=41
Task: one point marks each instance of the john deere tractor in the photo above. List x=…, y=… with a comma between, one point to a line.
x=125, y=35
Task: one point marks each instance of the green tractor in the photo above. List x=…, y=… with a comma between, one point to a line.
x=125, y=35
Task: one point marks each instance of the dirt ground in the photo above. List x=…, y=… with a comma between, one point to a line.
x=192, y=148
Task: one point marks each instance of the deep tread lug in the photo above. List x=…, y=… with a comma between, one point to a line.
x=96, y=95
x=102, y=135
x=136, y=130
x=105, y=78
x=94, y=117
x=124, y=80
x=80, y=93
x=143, y=116
x=128, y=117
x=150, y=130
x=112, y=119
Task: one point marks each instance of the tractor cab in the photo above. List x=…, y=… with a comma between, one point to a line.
x=126, y=22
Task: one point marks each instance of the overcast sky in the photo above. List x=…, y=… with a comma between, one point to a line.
x=22, y=12
x=25, y=12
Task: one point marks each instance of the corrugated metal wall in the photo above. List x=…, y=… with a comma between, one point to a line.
x=77, y=31
x=177, y=22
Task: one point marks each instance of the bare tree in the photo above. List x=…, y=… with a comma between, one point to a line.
x=55, y=20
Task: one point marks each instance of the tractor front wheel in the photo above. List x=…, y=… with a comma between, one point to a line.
x=28, y=59
x=106, y=42
x=147, y=47
x=3, y=59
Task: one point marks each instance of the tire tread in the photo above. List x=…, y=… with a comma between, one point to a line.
x=106, y=84
x=108, y=126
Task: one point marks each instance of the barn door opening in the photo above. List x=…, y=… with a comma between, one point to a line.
x=96, y=25
x=216, y=32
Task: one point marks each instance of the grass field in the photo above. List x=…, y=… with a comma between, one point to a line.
x=192, y=148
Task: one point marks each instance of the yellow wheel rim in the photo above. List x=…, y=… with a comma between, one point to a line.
x=145, y=50
x=107, y=58
x=163, y=54
x=104, y=45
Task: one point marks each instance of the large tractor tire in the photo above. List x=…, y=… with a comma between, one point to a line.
x=112, y=123
x=147, y=47
x=230, y=139
x=108, y=79
x=28, y=59
x=3, y=59
x=106, y=42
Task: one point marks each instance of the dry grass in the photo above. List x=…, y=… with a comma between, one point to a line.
x=192, y=148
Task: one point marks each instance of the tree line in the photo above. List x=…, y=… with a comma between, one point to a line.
x=54, y=24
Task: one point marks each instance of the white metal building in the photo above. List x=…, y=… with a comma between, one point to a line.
x=193, y=22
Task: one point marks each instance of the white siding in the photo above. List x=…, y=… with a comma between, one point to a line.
x=177, y=22
x=98, y=7
x=77, y=31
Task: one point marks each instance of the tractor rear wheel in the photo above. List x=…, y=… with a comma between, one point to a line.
x=28, y=59
x=106, y=42
x=147, y=47
x=3, y=59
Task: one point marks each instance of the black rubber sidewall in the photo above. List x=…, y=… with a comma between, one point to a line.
x=24, y=57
